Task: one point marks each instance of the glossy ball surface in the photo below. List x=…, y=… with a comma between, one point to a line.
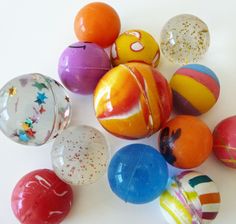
x=97, y=22
x=195, y=88
x=34, y=109
x=132, y=101
x=224, y=143
x=79, y=155
x=41, y=197
x=185, y=142
x=184, y=39
x=192, y=197
x=137, y=173
x=81, y=65
x=135, y=46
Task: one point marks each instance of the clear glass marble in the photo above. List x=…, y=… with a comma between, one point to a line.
x=184, y=39
x=33, y=109
x=80, y=155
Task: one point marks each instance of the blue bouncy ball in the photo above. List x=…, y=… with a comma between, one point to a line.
x=137, y=173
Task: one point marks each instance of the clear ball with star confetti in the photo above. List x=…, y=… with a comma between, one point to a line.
x=33, y=109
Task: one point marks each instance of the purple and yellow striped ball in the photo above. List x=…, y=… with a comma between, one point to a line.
x=224, y=141
x=191, y=198
x=196, y=89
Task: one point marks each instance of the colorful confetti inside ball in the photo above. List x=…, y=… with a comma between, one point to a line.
x=192, y=197
x=185, y=142
x=97, y=22
x=81, y=65
x=195, y=88
x=224, y=141
x=135, y=46
x=184, y=39
x=41, y=197
x=33, y=109
x=132, y=101
x=137, y=173
x=79, y=155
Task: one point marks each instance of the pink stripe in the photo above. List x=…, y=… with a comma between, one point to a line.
x=183, y=174
x=204, y=79
x=232, y=165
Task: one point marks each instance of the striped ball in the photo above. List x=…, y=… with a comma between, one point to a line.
x=224, y=141
x=191, y=198
x=132, y=101
x=195, y=89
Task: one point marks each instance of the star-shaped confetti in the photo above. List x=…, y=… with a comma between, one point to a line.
x=40, y=98
x=23, y=136
x=25, y=126
x=67, y=99
x=12, y=91
x=29, y=122
x=40, y=85
x=31, y=133
x=41, y=110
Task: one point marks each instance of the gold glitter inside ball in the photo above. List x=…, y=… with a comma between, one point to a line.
x=184, y=39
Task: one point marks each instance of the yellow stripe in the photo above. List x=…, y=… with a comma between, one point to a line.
x=229, y=160
x=166, y=199
x=192, y=196
x=197, y=94
x=225, y=146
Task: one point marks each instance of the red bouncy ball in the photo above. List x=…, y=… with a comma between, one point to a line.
x=40, y=197
x=224, y=144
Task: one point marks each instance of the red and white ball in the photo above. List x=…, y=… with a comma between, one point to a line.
x=41, y=197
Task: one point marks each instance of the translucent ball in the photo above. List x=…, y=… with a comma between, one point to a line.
x=33, y=109
x=79, y=155
x=184, y=39
x=137, y=173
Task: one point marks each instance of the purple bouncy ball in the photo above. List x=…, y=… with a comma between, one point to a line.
x=81, y=65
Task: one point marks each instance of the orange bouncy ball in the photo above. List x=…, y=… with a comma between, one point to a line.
x=185, y=142
x=97, y=22
x=132, y=101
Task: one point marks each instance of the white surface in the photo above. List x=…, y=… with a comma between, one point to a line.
x=34, y=33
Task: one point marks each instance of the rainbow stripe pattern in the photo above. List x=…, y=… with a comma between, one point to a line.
x=196, y=89
x=192, y=198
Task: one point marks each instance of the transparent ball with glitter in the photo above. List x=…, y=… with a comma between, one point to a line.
x=34, y=109
x=80, y=155
x=184, y=39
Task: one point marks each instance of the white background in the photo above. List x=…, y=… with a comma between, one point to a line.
x=32, y=36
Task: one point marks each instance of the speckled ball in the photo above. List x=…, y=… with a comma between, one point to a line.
x=80, y=155
x=184, y=39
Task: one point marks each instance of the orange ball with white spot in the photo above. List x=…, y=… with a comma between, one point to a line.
x=135, y=46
